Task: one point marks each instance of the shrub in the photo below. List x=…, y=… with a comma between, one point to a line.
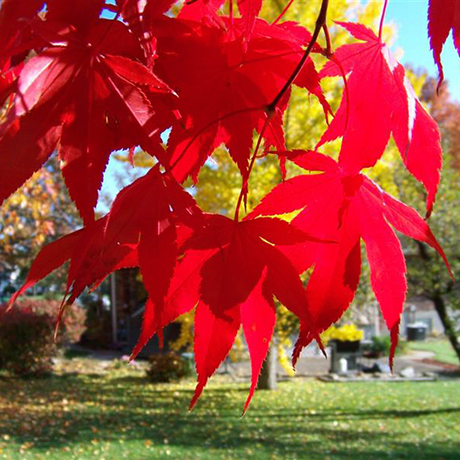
x=73, y=322
x=26, y=342
x=381, y=344
x=167, y=367
x=27, y=335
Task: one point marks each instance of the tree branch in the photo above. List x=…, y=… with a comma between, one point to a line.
x=320, y=22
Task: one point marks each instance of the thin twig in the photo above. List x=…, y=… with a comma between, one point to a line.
x=319, y=25
x=271, y=108
x=382, y=19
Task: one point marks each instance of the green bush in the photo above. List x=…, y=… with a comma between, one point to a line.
x=381, y=344
x=167, y=367
x=27, y=344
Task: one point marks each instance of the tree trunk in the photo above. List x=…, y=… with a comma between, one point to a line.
x=449, y=327
x=267, y=378
x=440, y=306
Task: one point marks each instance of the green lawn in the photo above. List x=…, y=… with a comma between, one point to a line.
x=441, y=348
x=120, y=415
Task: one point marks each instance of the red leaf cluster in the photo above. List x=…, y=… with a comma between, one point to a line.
x=84, y=86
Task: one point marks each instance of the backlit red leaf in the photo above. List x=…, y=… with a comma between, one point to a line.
x=78, y=91
x=258, y=317
x=242, y=274
x=380, y=102
x=224, y=86
x=443, y=16
x=345, y=208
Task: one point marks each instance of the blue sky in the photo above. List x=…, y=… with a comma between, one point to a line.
x=410, y=17
x=411, y=45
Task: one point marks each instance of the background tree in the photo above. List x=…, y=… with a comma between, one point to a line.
x=38, y=213
x=426, y=276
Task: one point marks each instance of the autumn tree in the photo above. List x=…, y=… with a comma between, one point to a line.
x=426, y=277
x=213, y=76
x=38, y=213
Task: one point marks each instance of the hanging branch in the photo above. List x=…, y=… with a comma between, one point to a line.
x=320, y=22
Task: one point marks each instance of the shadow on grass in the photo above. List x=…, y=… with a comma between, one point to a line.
x=369, y=414
x=131, y=380
x=71, y=353
x=69, y=410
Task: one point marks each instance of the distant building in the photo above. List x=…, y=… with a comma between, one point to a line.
x=369, y=319
x=128, y=297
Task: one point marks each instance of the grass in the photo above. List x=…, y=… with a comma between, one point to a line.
x=118, y=415
x=441, y=348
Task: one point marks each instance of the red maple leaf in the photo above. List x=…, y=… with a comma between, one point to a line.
x=442, y=18
x=14, y=16
x=140, y=230
x=232, y=270
x=345, y=208
x=249, y=10
x=88, y=91
x=225, y=85
x=380, y=102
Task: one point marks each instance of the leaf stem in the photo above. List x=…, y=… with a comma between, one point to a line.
x=230, y=11
x=283, y=12
x=244, y=186
x=329, y=52
x=319, y=25
x=382, y=19
x=271, y=108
